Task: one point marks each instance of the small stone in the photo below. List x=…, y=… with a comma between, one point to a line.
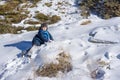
x=118, y=56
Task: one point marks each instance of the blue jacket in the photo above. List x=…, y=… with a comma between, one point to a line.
x=45, y=36
x=41, y=37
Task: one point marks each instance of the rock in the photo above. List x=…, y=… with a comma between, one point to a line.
x=97, y=74
x=118, y=56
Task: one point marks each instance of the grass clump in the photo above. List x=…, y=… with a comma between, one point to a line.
x=9, y=29
x=105, y=9
x=54, y=19
x=36, y=12
x=12, y=13
x=8, y=6
x=31, y=28
x=31, y=22
x=52, y=69
x=15, y=30
x=42, y=17
x=48, y=4
x=47, y=18
x=59, y=3
x=36, y=1
x=85, y=22
x=15, y=18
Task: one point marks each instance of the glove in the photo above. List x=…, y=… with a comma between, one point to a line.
x=50, y=40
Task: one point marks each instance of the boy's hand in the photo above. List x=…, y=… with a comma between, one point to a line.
x=50, y=41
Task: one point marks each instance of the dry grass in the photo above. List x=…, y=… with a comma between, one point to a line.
x=8, y=6
x=63, y=3
x=85, y=22
x=52, y=69
x=9, y=29
x=54, y=19
x=31, y=22
x=47, y=18
x=42, y=17
x=59, y=3
x=103, y=63
x=5, y=28
x=12, y=13
x=48, y=4
x=31, y=28
x=36, y=1
x=106, y=10
x=36, y=12
x=15, y=18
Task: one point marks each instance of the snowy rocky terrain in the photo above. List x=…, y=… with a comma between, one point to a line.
x=94, y=48
x=68, y=10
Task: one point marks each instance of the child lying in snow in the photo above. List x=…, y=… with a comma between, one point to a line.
x=40, y=38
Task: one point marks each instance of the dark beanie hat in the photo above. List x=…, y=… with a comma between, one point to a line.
x=44, y=25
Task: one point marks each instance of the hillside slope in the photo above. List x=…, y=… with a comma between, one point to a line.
x=93, y=48
x=73, y=39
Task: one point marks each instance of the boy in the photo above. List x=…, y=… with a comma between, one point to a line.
x=40, y=38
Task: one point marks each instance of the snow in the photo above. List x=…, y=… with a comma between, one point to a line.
x=70, y=37
x=71, y=12
x=2, y=2
x=106, y=33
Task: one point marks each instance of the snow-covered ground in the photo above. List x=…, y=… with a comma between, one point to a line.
x=94, y=47
x=66, y=9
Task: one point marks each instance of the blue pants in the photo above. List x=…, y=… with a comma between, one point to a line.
x=36, y=41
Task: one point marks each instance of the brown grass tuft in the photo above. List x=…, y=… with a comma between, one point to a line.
x=47, y=18
x=15, y=30
x=85, y=22
x=31, y=22
x=52, y=69
x=31, y=28
x=54, y=19
x=15, y=18
x=42, y=17
x=9, y=29
x=48, y=4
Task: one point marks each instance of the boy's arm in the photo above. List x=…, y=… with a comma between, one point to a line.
x=51, y=38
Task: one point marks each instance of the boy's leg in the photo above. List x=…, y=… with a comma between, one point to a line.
x=25, y=52
x=29, y=51
x=36, y=41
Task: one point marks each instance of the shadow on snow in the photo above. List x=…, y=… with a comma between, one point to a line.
x=23, y=45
